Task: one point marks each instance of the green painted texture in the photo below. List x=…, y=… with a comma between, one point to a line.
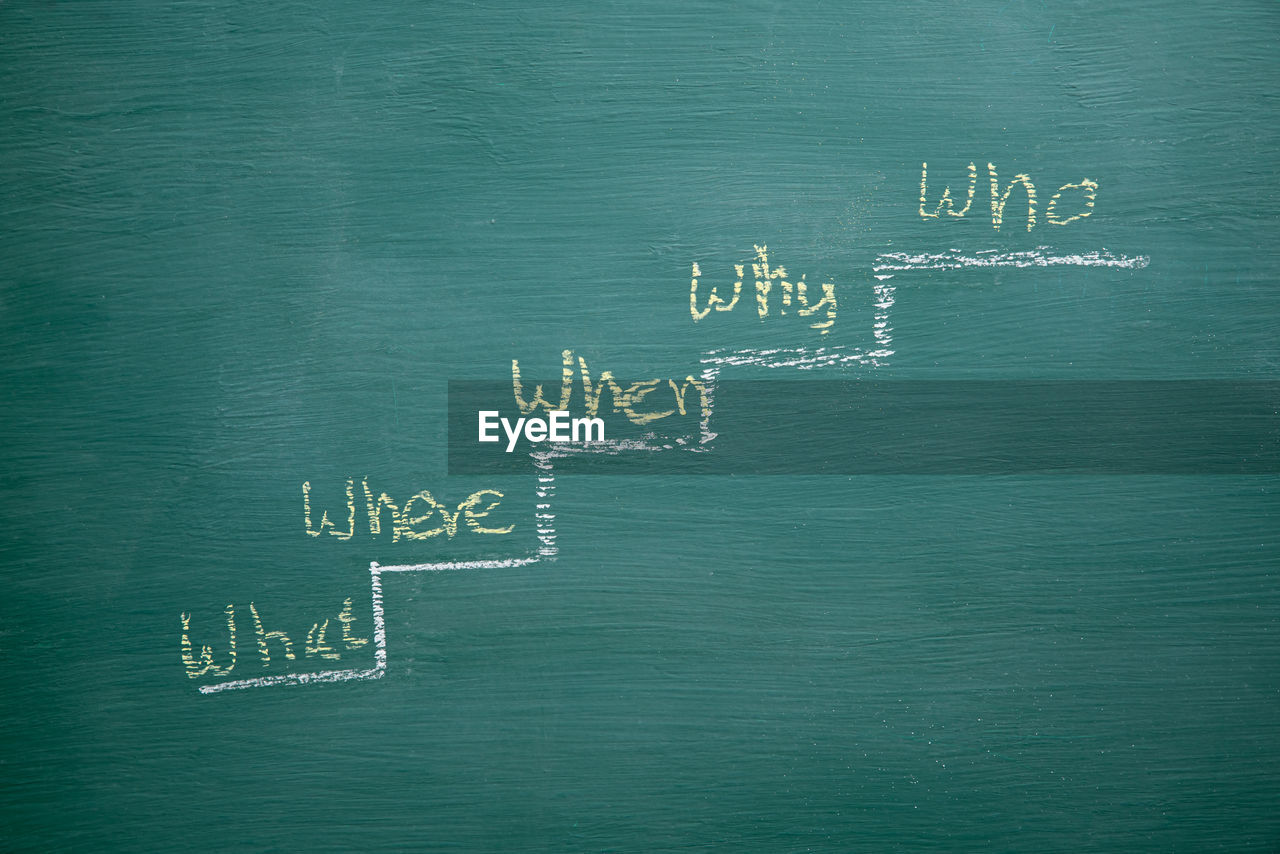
x=247, y=246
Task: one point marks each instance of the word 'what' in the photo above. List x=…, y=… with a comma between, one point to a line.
x=315, y=646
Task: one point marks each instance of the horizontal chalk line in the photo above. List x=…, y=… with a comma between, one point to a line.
x=294, y=679
x=457, y=564
x=1039, y=257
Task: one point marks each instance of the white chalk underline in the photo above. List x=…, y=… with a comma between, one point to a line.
x=1041, y=256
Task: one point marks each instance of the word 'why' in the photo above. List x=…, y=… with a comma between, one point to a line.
x=793, y=295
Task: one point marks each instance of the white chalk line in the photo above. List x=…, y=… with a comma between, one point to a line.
x=1041, y=256
x=543, y=516
x=807, y=359
x=500, y=563
x=294, y=679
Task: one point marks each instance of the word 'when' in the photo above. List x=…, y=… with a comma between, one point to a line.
x=627, y=401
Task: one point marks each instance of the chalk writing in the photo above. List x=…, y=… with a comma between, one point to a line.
x=316, y=643
x=1090, y=194
x=205, y=666
x=347, y=618
x=794, y=295
x=642, y=402
x=946, y=203
x=626, y=401
x=407, y=521
x=315, y=646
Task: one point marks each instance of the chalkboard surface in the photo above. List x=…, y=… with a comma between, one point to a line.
x=256, y=599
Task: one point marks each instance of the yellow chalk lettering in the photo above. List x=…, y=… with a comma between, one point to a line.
x=406, y=521
x=347, y=618
x=205, y=665
x=764, y=279
x=636, y=393
x=998, y=201
x=263, y=636
x=375, y=511
x=471, y=514
x=1090, y=194
x=705, y=404
x=566, y=387
x=946, y=202
x=713, y=299
x=316, y=645
x=828, y=302
x=592, y=391
x=324, y=518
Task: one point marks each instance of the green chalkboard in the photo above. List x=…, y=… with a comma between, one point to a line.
x=934, y=352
